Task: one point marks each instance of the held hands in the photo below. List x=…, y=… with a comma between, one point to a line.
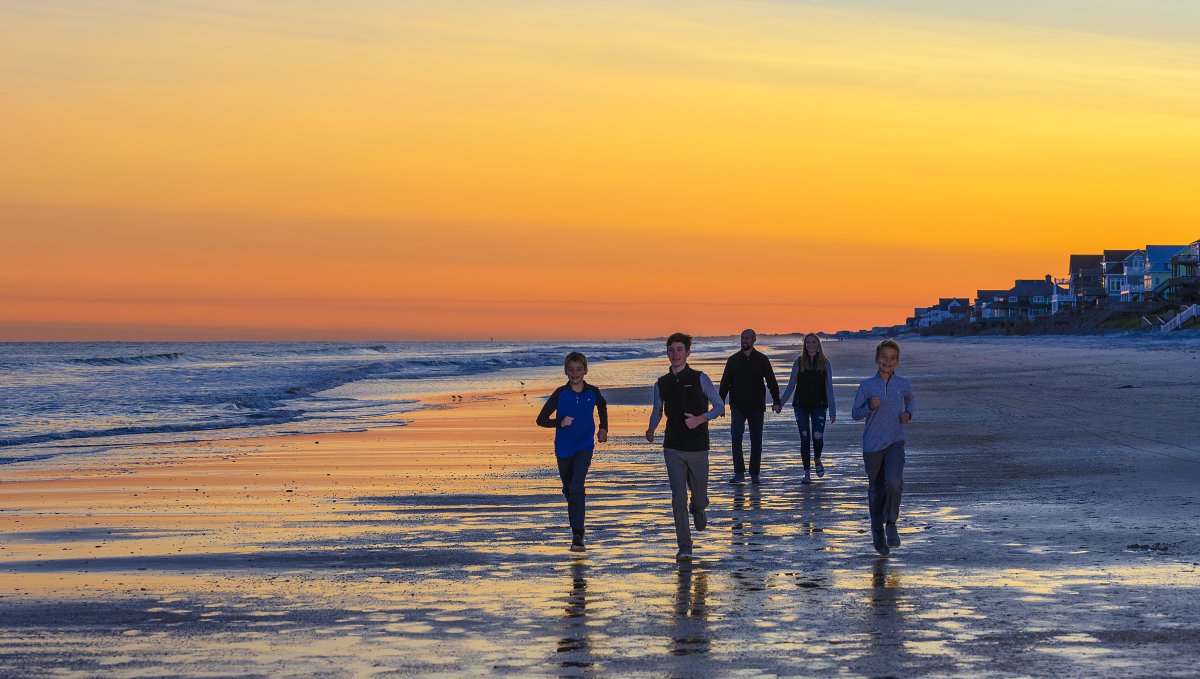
x=566, y=421
x=777, y=408
x=905, y=417
x=693, y=421
x=874, y=402
x=602, y=435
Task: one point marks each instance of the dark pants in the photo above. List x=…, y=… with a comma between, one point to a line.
x=885, y=476
x=811, y=423
x=573, y=471
x=736, y=429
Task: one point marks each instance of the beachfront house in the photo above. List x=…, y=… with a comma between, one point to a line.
x=1158, y=268
x=1029, y=299
x=1124, y=274
x=1187, y=262
x=987, y=305
x=1086, y=280
x=918, y=317
x=947, y=309
x=1062, y=299
x=1184, y=283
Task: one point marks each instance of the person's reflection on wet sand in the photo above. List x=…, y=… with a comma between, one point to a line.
x=690, y=631
x=887, y=606
x=575, y=633
x=747, y=531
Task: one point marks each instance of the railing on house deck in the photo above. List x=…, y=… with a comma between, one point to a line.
x=1182, y=317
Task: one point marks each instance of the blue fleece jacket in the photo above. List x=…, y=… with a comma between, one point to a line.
x=580, y=435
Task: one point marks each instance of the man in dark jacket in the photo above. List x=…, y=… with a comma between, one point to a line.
x=745, y=373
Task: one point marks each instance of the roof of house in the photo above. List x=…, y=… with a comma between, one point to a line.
x=1117, y=255
x=1160, y=256
x=1085, y=262
x=1031, y=288
x=945, y=303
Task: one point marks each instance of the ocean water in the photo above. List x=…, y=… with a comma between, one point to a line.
x=62, y=398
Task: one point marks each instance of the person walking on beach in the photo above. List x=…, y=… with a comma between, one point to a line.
x=886, y=402
x=812, y=383
x=573, y=404
x=742, y=381
x=684, y=395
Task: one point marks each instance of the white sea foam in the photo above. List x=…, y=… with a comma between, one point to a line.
x=60, y=396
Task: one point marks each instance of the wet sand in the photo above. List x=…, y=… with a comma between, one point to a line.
x=1049, y=526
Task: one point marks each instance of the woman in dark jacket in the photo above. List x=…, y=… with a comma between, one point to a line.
x=811, y=384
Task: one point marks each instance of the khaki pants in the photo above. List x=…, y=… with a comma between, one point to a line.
x=686, y=470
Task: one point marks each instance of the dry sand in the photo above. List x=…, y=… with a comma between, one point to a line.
x=1049, y=526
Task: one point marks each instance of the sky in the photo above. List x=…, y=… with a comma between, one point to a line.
x=183, y=170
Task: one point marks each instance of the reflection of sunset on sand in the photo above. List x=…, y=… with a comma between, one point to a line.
x=441, y=546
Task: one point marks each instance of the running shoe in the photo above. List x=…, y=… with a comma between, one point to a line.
x=880, y=542
x=893, y=535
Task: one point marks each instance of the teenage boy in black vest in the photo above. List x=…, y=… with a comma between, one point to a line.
x=684, y=395
x=745, y=373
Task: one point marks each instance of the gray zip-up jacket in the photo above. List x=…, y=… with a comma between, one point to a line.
x=883, y=424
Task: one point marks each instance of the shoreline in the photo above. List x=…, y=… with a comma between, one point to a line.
x=36, y=452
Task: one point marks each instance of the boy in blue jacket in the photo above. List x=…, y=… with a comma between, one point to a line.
x=573, y=404
x=886, y=401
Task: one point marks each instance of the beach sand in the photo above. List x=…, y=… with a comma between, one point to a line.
x=1049, y=525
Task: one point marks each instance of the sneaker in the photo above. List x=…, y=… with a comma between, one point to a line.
x=577, y=543
x=820, y=469
x=880, y=542
x=700, y=519
x=754, y=479
x=738, y=479
x=683, y=555
x=807, y=479
x=893, y=535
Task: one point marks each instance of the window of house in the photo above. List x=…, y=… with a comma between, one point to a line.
x=1038, y=299
x=1012, y=299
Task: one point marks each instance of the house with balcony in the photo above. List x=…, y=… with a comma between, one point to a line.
x=1063, y=300
x=954, y=308
x=1086, y=280
x=1184, y=283
x=987, y=305
x=1187, y=262
x=1124, y=274
x=1158, y=267
x=947, y=309
x=1029, y=300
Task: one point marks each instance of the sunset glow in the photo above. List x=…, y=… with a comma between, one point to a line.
x=563, y=170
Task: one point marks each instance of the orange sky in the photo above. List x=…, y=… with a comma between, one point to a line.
x=563, y=170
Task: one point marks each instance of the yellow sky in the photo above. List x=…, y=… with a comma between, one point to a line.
x=558, y=170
